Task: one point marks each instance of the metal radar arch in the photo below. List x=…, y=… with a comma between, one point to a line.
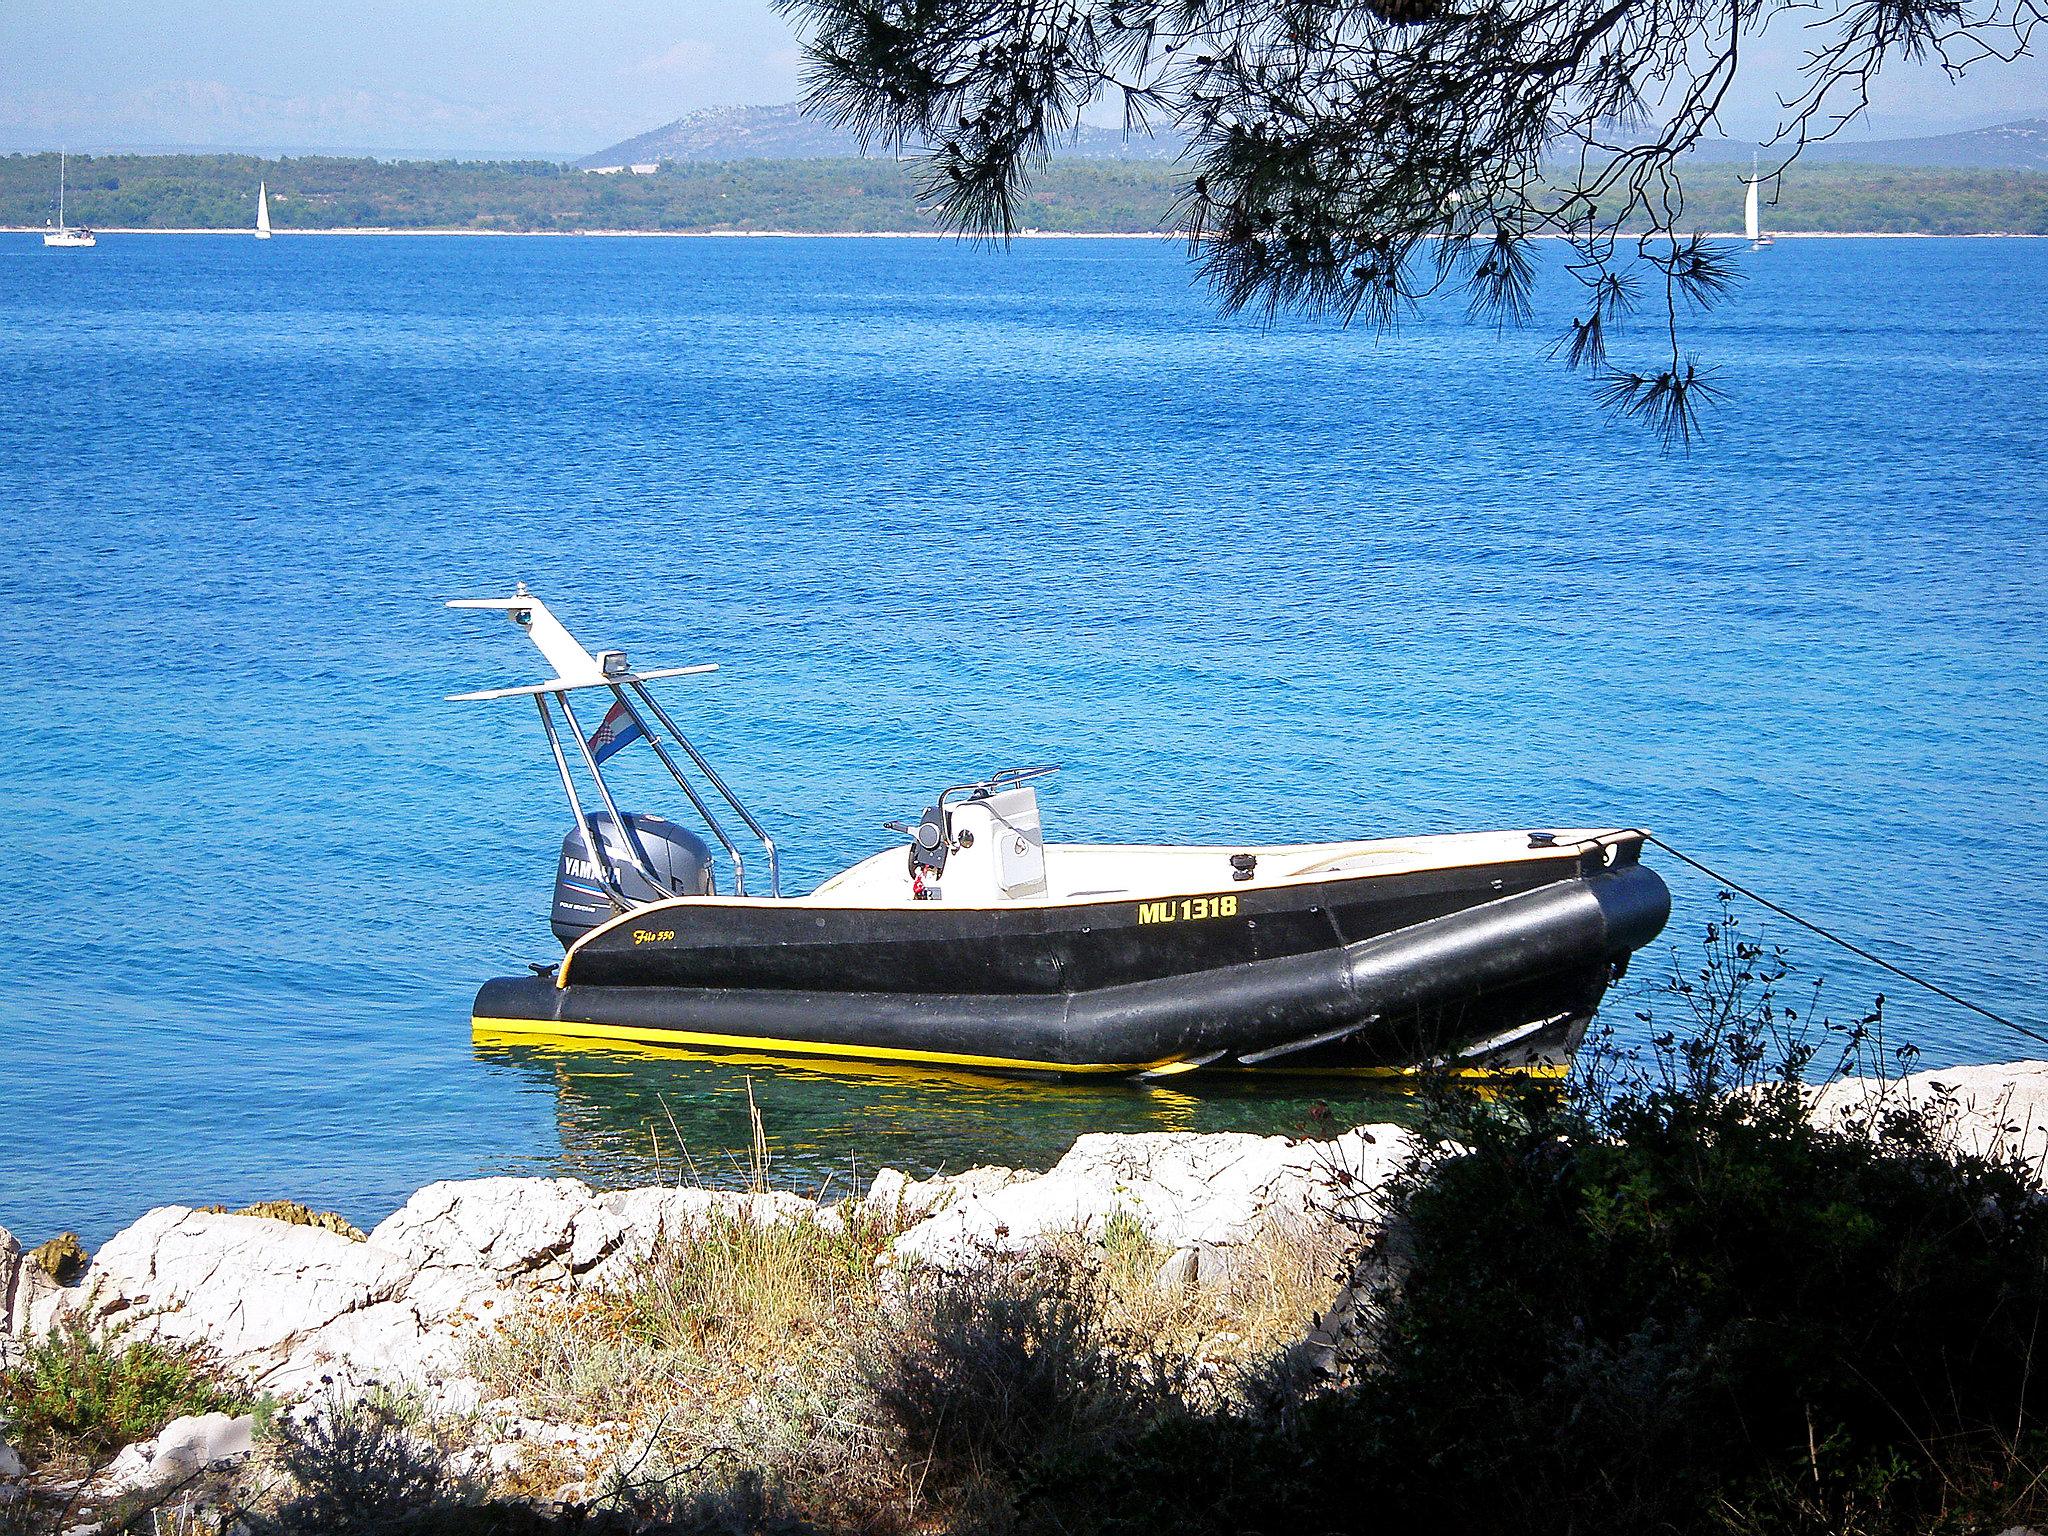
x=576, y=669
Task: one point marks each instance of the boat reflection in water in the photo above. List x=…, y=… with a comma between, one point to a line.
x=632, y=1115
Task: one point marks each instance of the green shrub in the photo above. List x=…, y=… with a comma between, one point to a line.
x=996, y=1373
x=1666, y=1300
x=81, y=1394
x=356, y=1470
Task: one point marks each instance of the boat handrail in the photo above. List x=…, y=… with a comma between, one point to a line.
x=599, y=859
x=997, y=782
x=625, y=828
x=576, y=668
x=717, y=783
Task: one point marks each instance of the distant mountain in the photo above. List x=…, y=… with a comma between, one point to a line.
x=2021, y=146
x=787, y=133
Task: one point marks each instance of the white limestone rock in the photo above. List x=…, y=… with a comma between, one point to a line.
x=184, y=1448
x=12, y=1262
x=292, y=1309
x=299, y=1310
x=1208, y=1193
x=1998, y=1110
x=506, y=1228
x=29, y=1298
x=10, y=1462
x=894, y=1192
x=527, y=1232
x=248, y=1287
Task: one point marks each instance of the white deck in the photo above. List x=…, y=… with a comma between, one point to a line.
x=1084, y=872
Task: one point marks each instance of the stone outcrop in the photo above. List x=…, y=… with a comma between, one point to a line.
x=897, y=1196
x=29, y=1296
x=298, y=1308
x=1206, y=1197
x=182, y=1449
x=301, y=1309
x=1999, y=1110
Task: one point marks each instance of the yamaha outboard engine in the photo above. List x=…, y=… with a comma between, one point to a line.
x=680, y=858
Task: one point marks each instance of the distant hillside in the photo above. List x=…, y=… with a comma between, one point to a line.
x=840, y=196
x=2008, y=147
x=786, y=133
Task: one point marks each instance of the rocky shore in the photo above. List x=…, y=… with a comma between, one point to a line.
x=298, y=1312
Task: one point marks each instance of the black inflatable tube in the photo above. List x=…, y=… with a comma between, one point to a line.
x=1565, y=926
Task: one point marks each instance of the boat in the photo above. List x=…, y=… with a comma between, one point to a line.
x=64, y=237
x=1752, y=210
x=262, y=211
x=976, y=943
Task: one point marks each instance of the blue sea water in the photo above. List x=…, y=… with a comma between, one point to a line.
x=934, y=509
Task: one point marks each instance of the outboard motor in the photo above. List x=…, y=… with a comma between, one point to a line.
x=678, y=856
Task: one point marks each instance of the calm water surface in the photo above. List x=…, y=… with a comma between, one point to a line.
x=934, y=510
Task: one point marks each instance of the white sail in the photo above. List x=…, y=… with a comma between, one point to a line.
x=64, y=236
x=1752, y=212
x=262, y=211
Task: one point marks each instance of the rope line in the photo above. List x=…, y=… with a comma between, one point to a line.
x=1835, y=938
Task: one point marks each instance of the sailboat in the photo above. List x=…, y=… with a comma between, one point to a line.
x=64, y=235
x=262, y=211
x=1752, y=211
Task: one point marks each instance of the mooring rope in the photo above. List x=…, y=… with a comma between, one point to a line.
x=1835, y=938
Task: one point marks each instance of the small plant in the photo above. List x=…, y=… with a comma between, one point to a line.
x=357, y=1471
x=81, y=1394
x=703, y=1316
x=985, y=1376
x=63, y=1258
x=298, y=1214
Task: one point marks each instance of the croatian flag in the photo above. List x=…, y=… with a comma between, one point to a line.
x=617, y=729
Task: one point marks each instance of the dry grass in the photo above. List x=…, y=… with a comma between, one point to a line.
x=691, y=1327
x=1237, y=1309
x=768, y=1351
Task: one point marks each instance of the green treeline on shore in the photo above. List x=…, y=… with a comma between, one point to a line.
x=848, y=196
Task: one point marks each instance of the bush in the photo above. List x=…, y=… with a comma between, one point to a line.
x=357, y=1471
x=1667, y=1300
x=77, y=1394
x=997, y=1373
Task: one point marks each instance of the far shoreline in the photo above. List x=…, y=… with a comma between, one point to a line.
x=908, y=234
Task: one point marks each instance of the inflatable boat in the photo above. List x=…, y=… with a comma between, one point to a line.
x=977, y=943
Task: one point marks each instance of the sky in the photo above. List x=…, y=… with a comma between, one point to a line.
x=447, y=77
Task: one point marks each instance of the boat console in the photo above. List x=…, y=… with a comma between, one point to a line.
x=988, y=845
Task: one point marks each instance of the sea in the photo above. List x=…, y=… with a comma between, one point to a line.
x=937, y=508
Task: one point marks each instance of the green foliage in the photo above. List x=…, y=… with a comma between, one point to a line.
x=81, y=1394
x=63, y=1258
x=844, y=196
x=1703, y=1291
x=1000, y=1374
x=1668, y=1300
x=355, y=1470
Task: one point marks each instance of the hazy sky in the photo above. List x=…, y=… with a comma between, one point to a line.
x=448, y=76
